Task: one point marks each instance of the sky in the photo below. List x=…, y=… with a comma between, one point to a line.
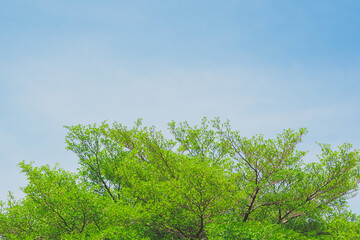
x=264, y=65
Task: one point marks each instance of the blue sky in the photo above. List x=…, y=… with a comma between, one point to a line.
x=265, y=65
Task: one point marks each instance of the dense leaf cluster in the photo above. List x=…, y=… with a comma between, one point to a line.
x=207, y=182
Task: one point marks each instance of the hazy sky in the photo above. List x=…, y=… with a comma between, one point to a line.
x=264, y=65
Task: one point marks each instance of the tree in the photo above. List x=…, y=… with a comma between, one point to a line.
x=133, y=183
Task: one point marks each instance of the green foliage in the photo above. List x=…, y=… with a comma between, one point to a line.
x=230, y=226
x=208, y=182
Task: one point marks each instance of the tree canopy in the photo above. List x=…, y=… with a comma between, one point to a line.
x=206, y=182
